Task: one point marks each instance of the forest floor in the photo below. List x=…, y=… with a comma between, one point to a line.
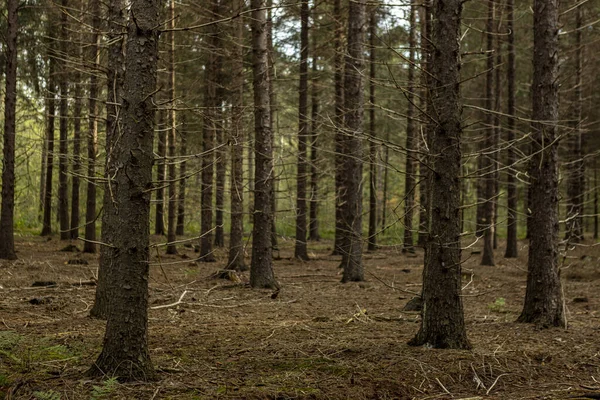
x=318, y=339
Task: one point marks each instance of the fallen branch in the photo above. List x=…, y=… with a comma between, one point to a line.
x=172, y=304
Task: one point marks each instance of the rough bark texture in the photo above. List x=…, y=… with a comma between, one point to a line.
x=409, y=177
x=236, y=235
x=125, y=349
x=442, y=324
x=352, y=163
x=273, y=110
x=543, y=297
x=313, y=220
x=172, y=133
x=338, y=78
x=114, y=82
x=89, y=246
x=487, y=164
x=7, y=240
x=261, y=270
x=373, y=178
x=300, y=251
x=511, y=181
x=50, y=117
x=63, y=148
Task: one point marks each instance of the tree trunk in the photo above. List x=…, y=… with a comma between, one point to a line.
x=63, y=160
x=125, y=349
x=172, y=132
x=220, y=174
x=7, y=239
x=114, y=86
x=89, y=246
x=50, y=116
x=511, y=180
x=261, y=270
x=442, y=324
x=182, y=179
x=300, y=251
x=372, y=235
x=338, y=66
x=236, y=235
x=273, y=109
x=486, y=173
x=159, y=225
x=352, y=162
x=543, y=298
x=77, y=165
x=313, y=219
x=409, y=180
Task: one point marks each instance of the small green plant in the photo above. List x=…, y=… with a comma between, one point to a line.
x=47, y=395
x=498, y=305
x=105, y=390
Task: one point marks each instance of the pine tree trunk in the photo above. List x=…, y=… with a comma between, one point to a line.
x=487, y=171
x=300, y=251
x=352, y=163
x=125, y=349
x=409, y=177
x=372, y=235
x=261, y=270
x=77, y=165
x=220, y=180
x=236, y=235
x=159, y=224
x=7, y=239
x=511, y=180
x=180, y=231
x=313, y=220
x=172, y=132
x=63, y=152
x=338, y=66
x=442, y=324
x=50, y=117
x=273, y=110
x=543, y=298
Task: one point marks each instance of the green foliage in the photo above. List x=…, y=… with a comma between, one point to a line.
x=498, y=305
x=47, y=395
x=104, y=390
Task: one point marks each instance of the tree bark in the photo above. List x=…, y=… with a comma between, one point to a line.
x=172, y=132
x=77, y=164
x=511, y=180
x=442, y=324
x=236, y=235
x=50, y=117
x=338, y=66
x=125, y=349
x=63, y=152
x=159, y=224
x=221, y=164
x=352, y=163
x=372, y=235
x=313, y=219
x=182, y=179
x=543, y=298
x=409, y=177
x=300, y=251
x=7, y=239
x=261, y=270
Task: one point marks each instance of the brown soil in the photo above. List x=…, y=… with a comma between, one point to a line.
x=317, y=339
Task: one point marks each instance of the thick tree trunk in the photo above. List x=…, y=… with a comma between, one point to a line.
x=63, y=152
x=486, y=173
x=543, y=298
x=300, y=251
x=261, y=270
x=89, y=246
x=313, y=219
x=172, y=133
x=7, y=239
x=442, y=324
x=273, y=110
x=352, y=162
x=338, y=66
x=409, y=177
x=372, y=235
x=511, y=181
x=125, y=349
x=114, y=86
x=236, y=235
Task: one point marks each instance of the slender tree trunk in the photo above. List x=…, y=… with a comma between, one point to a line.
x=352, y=163
x=114, y=85
x=384, y=201
x=63, y=160
x=7, y=239
x=159, y=225
x=89, y=246
x=172, y=132
x=543, y=298
x=182, y=178
x=77, y=164
x=300, y=251
x=372, y=236
x=261, y=270
x=236, y=235
x=338, y=65
x=442, y=324
x=221, y=164
x=487, y=161
x=496, y=119
x=409, y=180
x=273, y=110
x=313, y=224
x=125, y=347
x=50, y=116
x=511, y=181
